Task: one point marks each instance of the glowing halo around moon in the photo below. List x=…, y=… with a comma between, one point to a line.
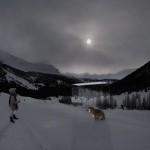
x=88, y=41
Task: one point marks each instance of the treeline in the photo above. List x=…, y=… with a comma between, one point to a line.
x=136, y=102
x=41, y=93
x=106, y=102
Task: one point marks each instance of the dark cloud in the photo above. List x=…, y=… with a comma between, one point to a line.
x=54, y=32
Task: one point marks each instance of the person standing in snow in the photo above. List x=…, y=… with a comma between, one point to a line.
x=13, y=104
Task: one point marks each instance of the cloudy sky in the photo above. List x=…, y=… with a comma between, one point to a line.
x=55, y=32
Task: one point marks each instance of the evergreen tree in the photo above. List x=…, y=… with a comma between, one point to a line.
x=99, y=102
x=115, y=103
x=128, y=102
x=105, y=103
x=144, y=103
x=133, y=102
x=139, y=104
x=125, y=102
x=148, y=101
x=111, y=102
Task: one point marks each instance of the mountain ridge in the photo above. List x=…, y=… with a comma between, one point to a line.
x=119, y=75
x=23, y=65
x=33, y=80
x=136, y=81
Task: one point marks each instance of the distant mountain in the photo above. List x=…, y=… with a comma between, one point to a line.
x=25, y=66
x=34, y=84
x=34, y=80
x=138, y=80
x=92, y=77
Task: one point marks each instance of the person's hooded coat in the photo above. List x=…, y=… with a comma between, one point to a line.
x=13, y=103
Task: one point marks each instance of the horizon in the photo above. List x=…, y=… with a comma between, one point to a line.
x=81, y=73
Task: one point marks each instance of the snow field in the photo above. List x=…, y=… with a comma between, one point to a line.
x=53, y=126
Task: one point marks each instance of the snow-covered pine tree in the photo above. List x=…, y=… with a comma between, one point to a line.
x=133, y=102
x=99, y=102
x=115, y=103
x=111, y=102
x=148, y=101
x=144, y=103
x=139, y=103
x=105, y=103
x=128, y=102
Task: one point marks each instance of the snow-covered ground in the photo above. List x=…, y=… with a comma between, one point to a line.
x=22, y=82
x=53, y=126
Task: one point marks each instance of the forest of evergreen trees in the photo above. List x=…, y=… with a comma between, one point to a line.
x=107, y=102
x=130, y=102
x=136, y=102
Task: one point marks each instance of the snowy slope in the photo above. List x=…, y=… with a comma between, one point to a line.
x=20, y=81
x=26, y=66
x=53, y=126
x=30, y=82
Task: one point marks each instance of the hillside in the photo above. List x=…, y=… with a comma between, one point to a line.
x=25, y=66
x=138, y=80
x=34, y=84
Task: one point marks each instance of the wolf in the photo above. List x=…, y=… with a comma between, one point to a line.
x=96, y=113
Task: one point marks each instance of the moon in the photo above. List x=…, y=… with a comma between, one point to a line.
x=88, y=41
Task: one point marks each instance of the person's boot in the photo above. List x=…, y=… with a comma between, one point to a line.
x=14, y=117
x=11, y=120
